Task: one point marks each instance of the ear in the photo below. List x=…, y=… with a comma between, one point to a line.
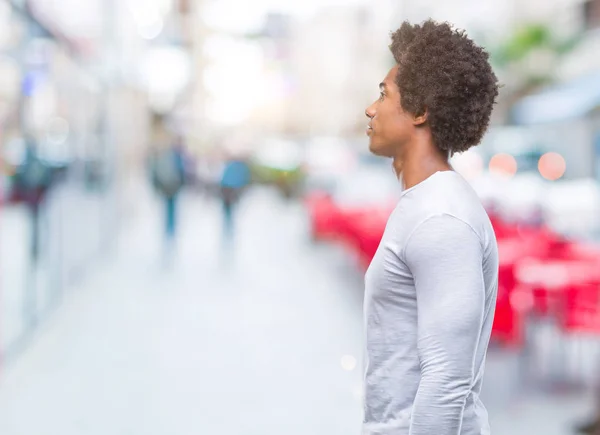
x=420, y=117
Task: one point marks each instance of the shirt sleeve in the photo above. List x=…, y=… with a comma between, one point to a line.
x=445, y=257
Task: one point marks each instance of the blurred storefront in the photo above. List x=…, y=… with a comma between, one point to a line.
x=67, y=107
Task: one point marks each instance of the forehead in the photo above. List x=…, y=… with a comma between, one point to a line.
x=390, y=78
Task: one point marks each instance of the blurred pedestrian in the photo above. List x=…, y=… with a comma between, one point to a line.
x=235, y=178
x=32, y=182
x=431, y=287
x=168, y=177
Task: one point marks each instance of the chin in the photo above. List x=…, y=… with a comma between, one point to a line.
x=373, y=148
x=378, y=150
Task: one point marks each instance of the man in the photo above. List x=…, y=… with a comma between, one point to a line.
x=234, y=179
x=168, y=174
x=431, y=287
x=32, y=180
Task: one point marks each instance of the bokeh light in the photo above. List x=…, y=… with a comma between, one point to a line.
x=469, y=165
x=552, y=166
x=348, y=363
x=503, y=164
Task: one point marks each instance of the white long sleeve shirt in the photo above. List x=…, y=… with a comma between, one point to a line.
x=430, y=294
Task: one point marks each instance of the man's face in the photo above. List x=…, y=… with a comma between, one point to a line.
x=389, y=126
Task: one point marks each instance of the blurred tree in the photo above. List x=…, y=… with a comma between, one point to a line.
x=527, y=59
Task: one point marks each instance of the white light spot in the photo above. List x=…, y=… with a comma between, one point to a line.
x=348, y=362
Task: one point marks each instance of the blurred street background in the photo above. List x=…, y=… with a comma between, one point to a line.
x=188, y=206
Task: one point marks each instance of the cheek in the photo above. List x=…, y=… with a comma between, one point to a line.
x=383, y=119
x=389, y=113
x=399, y=121
x=391, y=122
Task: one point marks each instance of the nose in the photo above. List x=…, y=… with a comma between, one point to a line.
x=370, y=111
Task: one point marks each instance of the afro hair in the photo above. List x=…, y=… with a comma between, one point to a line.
x=443, y=72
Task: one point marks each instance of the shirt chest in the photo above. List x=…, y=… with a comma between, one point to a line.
x=388, y=279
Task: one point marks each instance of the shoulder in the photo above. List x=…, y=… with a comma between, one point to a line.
x=441, y=233
x=443, y=225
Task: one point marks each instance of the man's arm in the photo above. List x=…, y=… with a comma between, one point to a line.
x=445, y=258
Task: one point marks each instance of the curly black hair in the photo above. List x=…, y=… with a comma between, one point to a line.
x=443, y=72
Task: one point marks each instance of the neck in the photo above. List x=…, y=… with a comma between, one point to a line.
x=419, y=160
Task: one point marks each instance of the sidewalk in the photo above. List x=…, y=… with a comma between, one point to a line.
x=248, y=344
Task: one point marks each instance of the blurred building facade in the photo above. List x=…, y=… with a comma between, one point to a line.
x=337, y=76
x=71, y=97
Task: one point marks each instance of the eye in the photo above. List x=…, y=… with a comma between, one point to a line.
x=381, y=96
